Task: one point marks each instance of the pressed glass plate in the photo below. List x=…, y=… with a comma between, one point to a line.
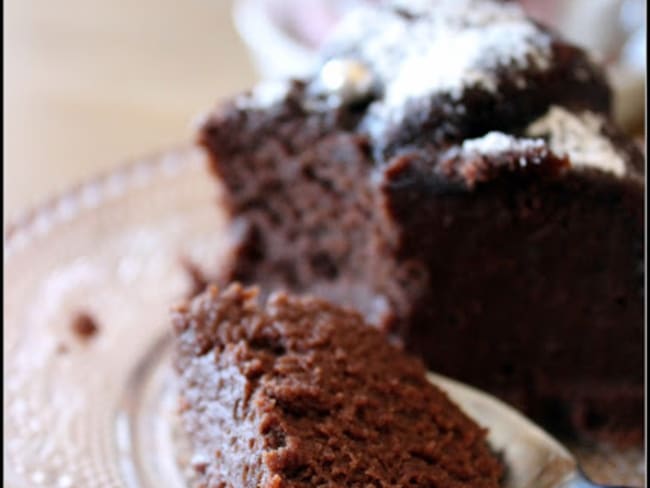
x=94, y=406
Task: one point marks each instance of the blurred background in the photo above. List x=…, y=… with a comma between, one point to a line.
x=90, y=84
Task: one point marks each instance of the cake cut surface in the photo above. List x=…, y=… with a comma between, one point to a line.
x=501, y=215
x=301, y=393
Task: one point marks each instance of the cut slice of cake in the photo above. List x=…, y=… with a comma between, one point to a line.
x=301, y=393
x=453, y=174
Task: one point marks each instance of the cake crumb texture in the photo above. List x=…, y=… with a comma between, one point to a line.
x=302, y=393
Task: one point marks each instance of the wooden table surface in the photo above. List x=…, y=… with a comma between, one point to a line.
x=92, y=83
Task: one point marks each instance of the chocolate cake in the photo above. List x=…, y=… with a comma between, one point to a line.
x=454, y=175
x=301, y=393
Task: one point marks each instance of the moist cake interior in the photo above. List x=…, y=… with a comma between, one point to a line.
x=483, y=212
x=297, y=392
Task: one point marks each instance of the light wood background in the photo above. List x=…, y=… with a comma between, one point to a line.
x=90, y=84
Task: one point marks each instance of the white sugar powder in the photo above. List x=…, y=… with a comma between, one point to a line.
x=498, y=142
x=580, y=137
x=457, y=58
x=264, y=95
x=447, y=46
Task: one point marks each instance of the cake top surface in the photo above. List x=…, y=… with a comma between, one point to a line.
x=485, y=158
x=333, y=402
x=404, y=43
x=395, y=50
x=494, y=143
x=581, y=137
x=435, y=74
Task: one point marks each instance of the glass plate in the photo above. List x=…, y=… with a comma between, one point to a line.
x=89, y=402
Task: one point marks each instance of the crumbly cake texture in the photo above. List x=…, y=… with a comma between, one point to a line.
x=488, y=216
x=302, y=393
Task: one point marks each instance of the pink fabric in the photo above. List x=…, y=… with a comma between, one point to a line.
x=545, y=11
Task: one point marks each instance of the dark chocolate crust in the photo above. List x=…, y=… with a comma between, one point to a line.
x=441, y=120
x=301, y=393
x=517, y=269
x=543, y=289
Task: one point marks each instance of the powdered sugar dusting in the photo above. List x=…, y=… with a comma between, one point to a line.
x=461, y=55
x=422, y=48
x=579, y=136
x=497, y=142
x=264, y=95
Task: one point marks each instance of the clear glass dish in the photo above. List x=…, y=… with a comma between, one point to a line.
x=94, y=406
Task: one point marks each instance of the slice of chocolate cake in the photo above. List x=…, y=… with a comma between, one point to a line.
x=453, y=174
x=302, y=393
